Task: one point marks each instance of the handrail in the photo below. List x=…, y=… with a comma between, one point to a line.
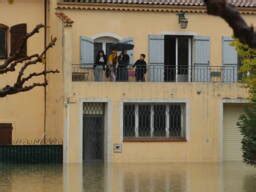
x=156, y=73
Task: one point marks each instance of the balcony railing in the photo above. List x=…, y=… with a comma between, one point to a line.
x=157, y=73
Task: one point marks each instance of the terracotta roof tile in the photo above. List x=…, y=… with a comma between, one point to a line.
x=238, y=3
x=65, y=19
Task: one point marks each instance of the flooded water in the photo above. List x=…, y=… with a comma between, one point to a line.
x=197, y=177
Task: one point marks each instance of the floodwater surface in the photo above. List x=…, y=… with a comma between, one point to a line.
x=194, y=177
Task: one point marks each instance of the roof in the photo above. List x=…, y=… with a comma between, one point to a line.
x=238, y=3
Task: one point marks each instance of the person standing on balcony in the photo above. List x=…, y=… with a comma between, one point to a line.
x=111, y=66
x=140, y=68
x=122, y=70
x=99, y=66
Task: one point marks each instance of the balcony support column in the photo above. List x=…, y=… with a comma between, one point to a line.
x=67, y=78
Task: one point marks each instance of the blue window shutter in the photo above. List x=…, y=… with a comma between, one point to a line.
x=201, y=59
x=156, y=58
x=229, y=61
x=130, y=52
x=86, y=51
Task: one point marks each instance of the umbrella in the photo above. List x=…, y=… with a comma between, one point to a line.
x=121, y=46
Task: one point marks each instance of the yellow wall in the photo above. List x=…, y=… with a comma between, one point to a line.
x=139, y=25
x=204, y=118
x=24, y=110
x=55, y=100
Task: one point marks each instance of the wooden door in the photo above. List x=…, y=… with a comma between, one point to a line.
x=5, y=133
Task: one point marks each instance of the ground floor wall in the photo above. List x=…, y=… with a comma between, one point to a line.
x=25, y=111
x=204, y=105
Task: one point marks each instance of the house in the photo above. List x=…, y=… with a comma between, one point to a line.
x=185, y=111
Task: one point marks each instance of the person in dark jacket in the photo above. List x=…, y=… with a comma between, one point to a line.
x=122, y=69
x=140, y=68
x=99, y=66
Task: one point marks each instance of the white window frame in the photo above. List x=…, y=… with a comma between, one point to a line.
x=104, y=40
x=184, y=116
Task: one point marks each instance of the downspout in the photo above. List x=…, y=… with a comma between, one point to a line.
x=45, y=68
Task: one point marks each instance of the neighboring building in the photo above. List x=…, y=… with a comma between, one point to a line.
x=24, y=111
x=185, y=111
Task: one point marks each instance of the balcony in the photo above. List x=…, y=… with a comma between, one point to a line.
x=157, y=73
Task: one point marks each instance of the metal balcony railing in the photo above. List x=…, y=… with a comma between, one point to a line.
x=156, y=73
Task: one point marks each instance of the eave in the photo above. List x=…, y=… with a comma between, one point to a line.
x=141, y=8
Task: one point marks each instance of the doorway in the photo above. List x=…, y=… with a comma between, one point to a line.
x=104, y=44
x=232, y=138
x=177, y=58
x=93, y=132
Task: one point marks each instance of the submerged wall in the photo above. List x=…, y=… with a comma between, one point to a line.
x=204, y=119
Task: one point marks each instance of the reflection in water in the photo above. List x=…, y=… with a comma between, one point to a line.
x=30, y=178
x=197, y=177
x=250, y=183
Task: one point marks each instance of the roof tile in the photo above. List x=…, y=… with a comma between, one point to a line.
x=238, y=3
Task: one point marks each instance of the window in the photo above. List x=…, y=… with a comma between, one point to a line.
x=17, y=33
x=89, y=48
x=104, y=43
x=177, y=58
x=154, y=121
x=3, y=41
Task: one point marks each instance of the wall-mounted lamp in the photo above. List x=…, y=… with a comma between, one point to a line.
x=183, y=21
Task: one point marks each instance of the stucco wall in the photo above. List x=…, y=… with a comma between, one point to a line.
x=139, y=25
x=55, y=89
x=204, y=119
x=24, y=110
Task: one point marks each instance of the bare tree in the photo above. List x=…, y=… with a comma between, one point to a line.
x=242, y=31
x=11, y=64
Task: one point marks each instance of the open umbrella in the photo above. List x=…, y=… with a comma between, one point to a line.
x=122, y=46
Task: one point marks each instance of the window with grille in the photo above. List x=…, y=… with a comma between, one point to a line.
x=159, y=120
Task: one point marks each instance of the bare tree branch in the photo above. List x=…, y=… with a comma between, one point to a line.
x=39, y=58
x=231, y=15
x=10, y=90
x=11, y=63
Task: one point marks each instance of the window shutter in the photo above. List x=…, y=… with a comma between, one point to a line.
x=86, y=51
x=130, y=52
x=17, y=34
x=201, y=59
x=229, y=61
x=3, y=41
x=156, y=58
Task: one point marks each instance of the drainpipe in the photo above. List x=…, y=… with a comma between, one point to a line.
x=45, y=68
